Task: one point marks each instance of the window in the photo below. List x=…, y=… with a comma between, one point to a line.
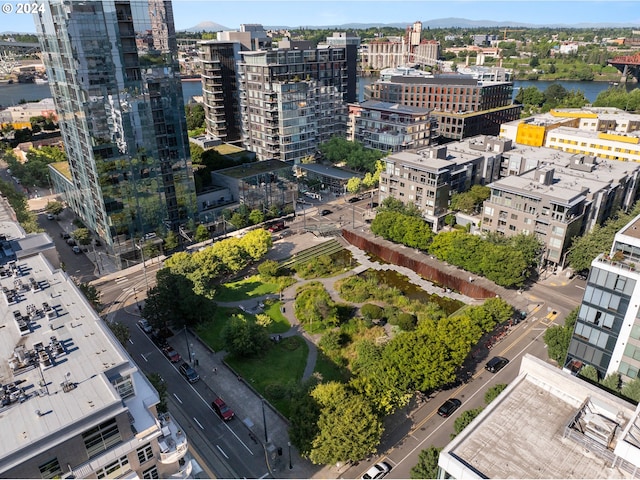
x=114, y=469
x=628, y=370
x=145, y=453
x=51, y=469
x=150, y=473
x=124, y=386
x=102, y=437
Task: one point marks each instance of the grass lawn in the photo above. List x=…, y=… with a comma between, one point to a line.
x=283, y=364
x=245, y=288
x=329, y=371
x=210, y=331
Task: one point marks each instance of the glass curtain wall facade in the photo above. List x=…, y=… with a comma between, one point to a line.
x=114, y=75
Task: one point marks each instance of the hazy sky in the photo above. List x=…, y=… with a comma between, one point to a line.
x=295, y=13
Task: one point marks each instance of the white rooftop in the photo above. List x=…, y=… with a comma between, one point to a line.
x=547, y=424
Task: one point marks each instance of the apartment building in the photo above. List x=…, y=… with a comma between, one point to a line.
x=603, y=132
x=556, y=196
x=115, y=80
x=74, y=404
x=251, y=36
x=390, y=127
x=220, y=88
x=393, y=52
x=291, y=100
x=607, y=331
x=427, y=178
x=547, y=424
x=462, y=105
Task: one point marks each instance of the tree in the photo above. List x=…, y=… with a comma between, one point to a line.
x=534, y=62
x=195, y=116
x=256, y=216
x=354, y=184
x=589, y=372
x=202, y=234
x=171, y=241
x=491, y=394
x=558, y=337
x=348, y=427
x=465, y=419
x=243, y=338
x=54, y=208
x=82, y=236
x=632, y=389
x=427, y=466
x=268, y=269
x=303, y=420
x=92, y=294
x=256, y=243
x=121, y=332
x=612, y=381
x=161, y=387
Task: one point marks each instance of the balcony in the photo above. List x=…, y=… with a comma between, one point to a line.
x=173, y=442
x=618, y=260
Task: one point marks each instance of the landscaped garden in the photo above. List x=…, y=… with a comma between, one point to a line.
x=377, y=345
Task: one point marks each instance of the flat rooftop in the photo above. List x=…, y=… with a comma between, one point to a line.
x=533, y=430
x=255, y=168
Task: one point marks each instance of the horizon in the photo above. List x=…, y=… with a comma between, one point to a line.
x=189, y=13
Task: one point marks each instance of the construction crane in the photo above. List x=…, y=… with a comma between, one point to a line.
x=510, y=30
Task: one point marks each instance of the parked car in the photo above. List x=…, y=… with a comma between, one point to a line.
x=71, y=242
x=159, y=340
x=188, y=372
x=379, y=470
x=65, y=235
x=448, y=407
x=276, y=227
x=145, y=326
x=325, y=212
x=222, y=409
x=354, y=199
x=50, y=216
x=76, y=249
x=496, y=364
x=171, y=354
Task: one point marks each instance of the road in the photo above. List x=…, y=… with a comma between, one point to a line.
x=223, y=448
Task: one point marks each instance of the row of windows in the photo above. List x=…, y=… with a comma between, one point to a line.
x=612, y=281
x=632, y=351
x=114, y=469
x=592, y=335
x=589, y=354
x=595, y=316
x=102, y=437
x=602, y=299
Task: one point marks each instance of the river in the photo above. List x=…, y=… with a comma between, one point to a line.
x=12, y=94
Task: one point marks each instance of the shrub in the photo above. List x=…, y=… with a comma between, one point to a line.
x=405, y=321
x=371, y=311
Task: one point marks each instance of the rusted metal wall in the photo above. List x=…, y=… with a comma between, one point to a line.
x=456, y=279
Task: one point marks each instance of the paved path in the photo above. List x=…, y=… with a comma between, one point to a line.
x=364, y=263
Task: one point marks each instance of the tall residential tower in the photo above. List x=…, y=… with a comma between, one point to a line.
x=114, y=75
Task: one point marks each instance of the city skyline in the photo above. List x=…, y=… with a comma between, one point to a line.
x=189, y=13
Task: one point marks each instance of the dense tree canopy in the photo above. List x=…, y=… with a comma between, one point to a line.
x=471, y=200
x=353, y=155
x=35, y=170
x=427, y=466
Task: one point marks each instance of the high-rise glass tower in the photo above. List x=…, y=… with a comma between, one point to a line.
x=115, y=79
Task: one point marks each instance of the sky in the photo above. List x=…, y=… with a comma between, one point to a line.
x=297, y=13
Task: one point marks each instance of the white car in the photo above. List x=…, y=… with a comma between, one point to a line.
x=379, y=470
x=145, y=326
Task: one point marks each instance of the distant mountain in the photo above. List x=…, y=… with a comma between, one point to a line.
x=434, y=23
x=207, y=27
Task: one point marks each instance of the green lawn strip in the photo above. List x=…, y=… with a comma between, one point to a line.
x=271, y=374
x=246, y=288
x=280, y=324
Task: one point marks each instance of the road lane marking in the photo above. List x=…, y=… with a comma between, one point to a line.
x=578, y=286
x=264, y=476
x=131, y=341
x=120, y=280
x=145, y=358
x=199, y=424
x=177, y=398
x=222, y=452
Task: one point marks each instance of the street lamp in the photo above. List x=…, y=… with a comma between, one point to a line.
x=144, y=265
x=264, y=421
x=290, y=465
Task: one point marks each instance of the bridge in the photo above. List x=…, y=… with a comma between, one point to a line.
x=628, y=65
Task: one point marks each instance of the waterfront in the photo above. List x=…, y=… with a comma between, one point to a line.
x=12, y=94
